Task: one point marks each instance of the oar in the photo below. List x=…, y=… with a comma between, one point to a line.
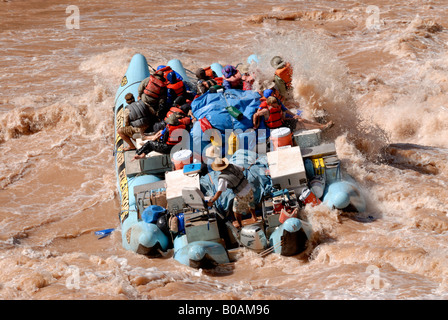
x=104, y=233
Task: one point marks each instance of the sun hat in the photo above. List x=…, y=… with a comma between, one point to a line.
x=278, y=62
x=268, y=84
x=220, y=164
x=228, y=71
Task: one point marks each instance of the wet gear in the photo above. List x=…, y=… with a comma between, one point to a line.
x=174, y=139
x=285, y=74
x=139, y=114
x=178, y=88
x=235, y=178
x=154, y=86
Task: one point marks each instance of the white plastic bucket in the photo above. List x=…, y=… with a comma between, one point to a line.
x=181, y=158
x=317, y=187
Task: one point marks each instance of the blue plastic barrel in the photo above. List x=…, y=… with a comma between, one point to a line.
x=181, y=226
x=152, y=213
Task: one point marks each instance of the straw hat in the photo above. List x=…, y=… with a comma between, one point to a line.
x=220, y=164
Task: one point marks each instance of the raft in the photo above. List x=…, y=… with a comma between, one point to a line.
x=306, y=172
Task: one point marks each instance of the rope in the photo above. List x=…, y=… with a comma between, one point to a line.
x=271, y=249
x=152, y=68
x=167, y=254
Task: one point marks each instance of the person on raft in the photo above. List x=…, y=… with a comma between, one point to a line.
x=232, y=78
x=183, y=112
x=232, y=176
x=153, y=92
x=164, y=139
x=137, y=119
x=207, y=80
x=274, y=117
x=283, y=75
x=176, y=88
x=247, y=77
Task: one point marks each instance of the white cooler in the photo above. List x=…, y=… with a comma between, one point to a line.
x=286, y=168
x=175, y=182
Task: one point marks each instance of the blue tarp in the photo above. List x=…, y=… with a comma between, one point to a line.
x=212, y=107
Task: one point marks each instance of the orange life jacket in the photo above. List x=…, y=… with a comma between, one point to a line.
x=178, y=87
x=209, y=72
x=275, y=119
x=154, y=87
x=219, y=80
x=173, y=140
x=165, y=71
x=285, y=74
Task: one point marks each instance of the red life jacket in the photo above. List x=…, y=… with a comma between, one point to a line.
x=154, y=87
x=173, y=140
x=178, y=87
x=247, y=85
x=275, y=119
